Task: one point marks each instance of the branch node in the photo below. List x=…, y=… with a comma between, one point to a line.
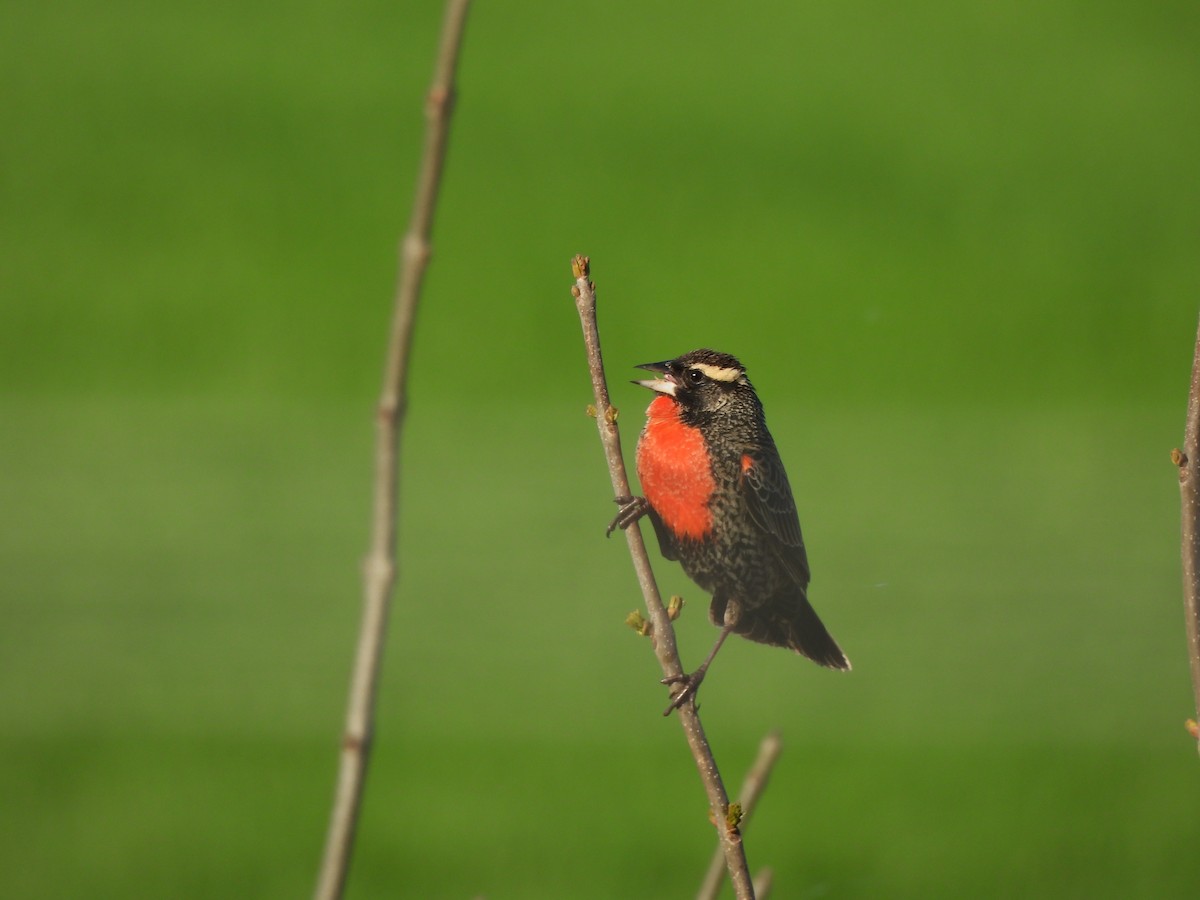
x=417, y=250
x=439, y=102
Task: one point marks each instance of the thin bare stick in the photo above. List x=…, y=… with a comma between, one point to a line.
x=379, y=568
x=1188, y=462
x=752, y=788
x=663, y=633
x=763, y=883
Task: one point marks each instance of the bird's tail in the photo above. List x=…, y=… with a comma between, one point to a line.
x=788, y=620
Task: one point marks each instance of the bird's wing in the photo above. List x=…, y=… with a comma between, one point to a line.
x=666, y=541
x=769, y=498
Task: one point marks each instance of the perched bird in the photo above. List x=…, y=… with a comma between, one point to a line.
x=718, y=496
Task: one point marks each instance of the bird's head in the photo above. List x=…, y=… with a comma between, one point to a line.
x=700, y=381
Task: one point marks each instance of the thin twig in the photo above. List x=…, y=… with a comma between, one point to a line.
x=1188, y=462
x=752, y=788
x=379, y=568
x=663, y=632
x=763, y=883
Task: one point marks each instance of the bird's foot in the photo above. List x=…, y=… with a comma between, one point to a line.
x=687, y=685
x=632, y=509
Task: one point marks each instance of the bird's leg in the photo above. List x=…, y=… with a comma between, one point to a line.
x=632, y=509
x=691, y=682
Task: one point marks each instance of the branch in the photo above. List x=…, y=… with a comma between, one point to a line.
x=663, y=633
x=763, y=884
x=379, y=568
x=752, y=788
x=1188, y=462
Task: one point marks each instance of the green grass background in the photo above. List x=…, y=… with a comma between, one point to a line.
x=955, y=246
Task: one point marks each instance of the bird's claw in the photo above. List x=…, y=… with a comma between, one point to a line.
x=632, y=509
x=688, y=692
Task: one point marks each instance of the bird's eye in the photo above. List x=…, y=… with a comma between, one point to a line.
x=695, y=377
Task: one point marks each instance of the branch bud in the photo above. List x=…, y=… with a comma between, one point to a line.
x=733, y=817
x=638, y=623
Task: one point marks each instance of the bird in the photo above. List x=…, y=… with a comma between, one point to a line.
x=718, y=496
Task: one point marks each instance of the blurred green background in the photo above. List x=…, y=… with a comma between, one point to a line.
x=956, y=248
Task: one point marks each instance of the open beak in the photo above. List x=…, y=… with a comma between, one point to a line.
x=664, y=385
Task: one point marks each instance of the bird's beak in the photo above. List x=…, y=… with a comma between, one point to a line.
x=664, y=385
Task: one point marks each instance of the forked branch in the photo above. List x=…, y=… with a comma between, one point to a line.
x=752, y=788
x=663, y=633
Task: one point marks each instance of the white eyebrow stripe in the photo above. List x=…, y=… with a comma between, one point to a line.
x=718, y=373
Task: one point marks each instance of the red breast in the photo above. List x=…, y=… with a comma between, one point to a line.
x=674, y=469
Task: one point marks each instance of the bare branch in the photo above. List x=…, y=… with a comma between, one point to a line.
x=763, y=883
x=379, y=568
x=752, y=788
x=1188, y=462
x=663, y=633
